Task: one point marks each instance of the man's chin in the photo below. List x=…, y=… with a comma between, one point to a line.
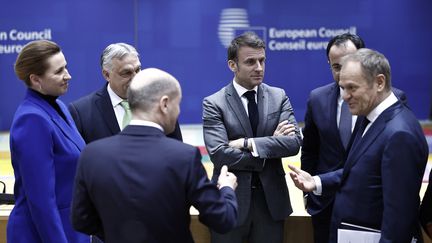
x=257, y=81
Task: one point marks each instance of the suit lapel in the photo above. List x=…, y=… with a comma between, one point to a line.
x=360, y=147
x=67, y=128
x=262, y=109
x=236, y=105
x=106, y=110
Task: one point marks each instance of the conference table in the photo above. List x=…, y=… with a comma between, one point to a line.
x=298, y=227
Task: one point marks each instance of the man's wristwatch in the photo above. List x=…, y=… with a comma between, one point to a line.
x=245, y=143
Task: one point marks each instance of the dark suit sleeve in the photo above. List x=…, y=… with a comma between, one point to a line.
x=217, y=209
x=177, y=133
x=311, y=142
x=402, y=169
x=269, y=147
x=216, y=141
x=331, y=181
x=426, y=206
x=75, y=116
x=84, y=216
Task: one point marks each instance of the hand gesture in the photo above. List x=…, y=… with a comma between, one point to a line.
x=227, y=178
x=302, y=179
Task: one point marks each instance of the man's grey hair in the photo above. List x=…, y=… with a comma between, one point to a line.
x=372, y=63
x=116, y=50
x=148, y=86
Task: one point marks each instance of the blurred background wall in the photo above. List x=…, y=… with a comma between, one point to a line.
x=188, y=38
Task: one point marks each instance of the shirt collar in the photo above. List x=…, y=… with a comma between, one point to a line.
x=341, y=93
x=386, y=103
x=115, y=99
x=146, y=123
x=241, y=90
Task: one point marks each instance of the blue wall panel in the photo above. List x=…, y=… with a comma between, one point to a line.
x=187, y=37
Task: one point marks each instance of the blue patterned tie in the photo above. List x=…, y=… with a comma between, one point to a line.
x=345, y=123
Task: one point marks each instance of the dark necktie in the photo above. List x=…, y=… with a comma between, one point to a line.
x=358, y=137
x=345, y=123
x=363, y=126
x=360, y=131
x=252, y=110
x=253, y=118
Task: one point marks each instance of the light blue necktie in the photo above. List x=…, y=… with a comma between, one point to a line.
x=345, y=123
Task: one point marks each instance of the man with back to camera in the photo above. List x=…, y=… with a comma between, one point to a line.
x=426, y=208
x=249, y=126
x=122, y=196
x=106, y=112
x=327, y=132
x=379, y=185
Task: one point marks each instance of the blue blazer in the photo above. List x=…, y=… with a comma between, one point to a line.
x=95, y=118
x=138, y=186
x=44, y=150
x=380, y=183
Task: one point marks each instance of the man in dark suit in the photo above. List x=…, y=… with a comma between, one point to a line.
x=430, y=112
x=101, y=113
x=324, y=147
x=380, y=182
x=138, y=186
x=426, y=208
x=250, y=126
x=325, y=143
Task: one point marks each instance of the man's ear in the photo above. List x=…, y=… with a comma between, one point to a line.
x=381, y=82
x=163, y=104
x=105, y=74
x=232, y=65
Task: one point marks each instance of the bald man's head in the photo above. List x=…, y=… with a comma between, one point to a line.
x=155, y=95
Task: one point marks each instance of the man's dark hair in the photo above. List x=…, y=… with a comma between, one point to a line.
x=249, y=39
x=340, y=39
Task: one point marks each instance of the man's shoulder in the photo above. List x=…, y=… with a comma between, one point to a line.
x=111, y=145
x=172, y=142
x=270, y=88
x=88, y=99
x=324, y=89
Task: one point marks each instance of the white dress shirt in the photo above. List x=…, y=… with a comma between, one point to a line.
x=119, y=111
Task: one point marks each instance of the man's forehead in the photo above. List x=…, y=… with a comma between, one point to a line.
x=249, y=51
x=121, y=64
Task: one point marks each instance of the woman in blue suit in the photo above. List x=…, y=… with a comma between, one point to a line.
x=45, y=146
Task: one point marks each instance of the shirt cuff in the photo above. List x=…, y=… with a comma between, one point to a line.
x=318, y=186
x=254, y=151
